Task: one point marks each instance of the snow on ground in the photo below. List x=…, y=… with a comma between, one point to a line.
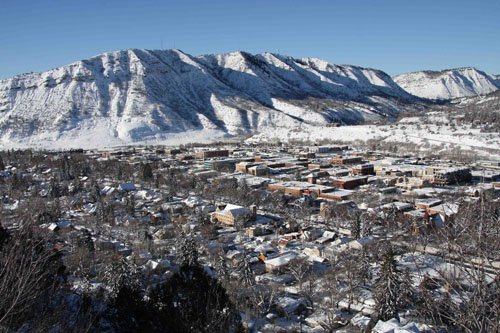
x=436, y=136
x=103, y=136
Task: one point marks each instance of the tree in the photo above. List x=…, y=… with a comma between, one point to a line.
x=121, y=274
x=356, y=227
x=246, y=277
x=30, y=275
x=147, y=171
x=192, y=301
x=388, y=288
x=187, y=253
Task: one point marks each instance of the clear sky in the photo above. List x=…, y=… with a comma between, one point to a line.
x=396, y=36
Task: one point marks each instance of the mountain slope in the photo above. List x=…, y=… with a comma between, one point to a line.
x=135, y=95
x=447, y=84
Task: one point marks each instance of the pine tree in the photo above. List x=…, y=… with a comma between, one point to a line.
x=122, y=274
x=246, y=275
x=389, y=295
x=356, y=227
x=364, y=269
x=187, y=252
x=192, y=301
x=147, y=171
x=366, y=229
x=221, y=269
x=2, y=166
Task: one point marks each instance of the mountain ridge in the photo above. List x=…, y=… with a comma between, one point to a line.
x=135, y=95
x=448, y=84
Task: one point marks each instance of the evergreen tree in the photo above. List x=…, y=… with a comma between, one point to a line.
x=192, y=301
x=95, y=191
x=246, y=275
x=187, y=253
x=122, y=274
x=356, y=227
x=389, y=291
x=364, y=270
x=221, y=269
x=366, y=228
x=147, y=171
x=2, y=165
x=129, y=312
x=130, y=204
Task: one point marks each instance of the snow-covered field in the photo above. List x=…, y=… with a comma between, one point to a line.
x=437, y=136
x=434, y=135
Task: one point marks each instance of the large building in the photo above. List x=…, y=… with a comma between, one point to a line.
x=212, y=153
x=234, y=215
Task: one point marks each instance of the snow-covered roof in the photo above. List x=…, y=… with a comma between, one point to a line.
x=282, y=261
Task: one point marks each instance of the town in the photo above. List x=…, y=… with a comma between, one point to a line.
x=301, y=238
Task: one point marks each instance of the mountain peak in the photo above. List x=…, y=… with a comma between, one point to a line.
x=448, y=83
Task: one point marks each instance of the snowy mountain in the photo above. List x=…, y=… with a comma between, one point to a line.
x=495, y=79
x=448, y=84
x=136, y=95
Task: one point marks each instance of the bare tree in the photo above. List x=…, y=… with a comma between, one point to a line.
x=29, y=271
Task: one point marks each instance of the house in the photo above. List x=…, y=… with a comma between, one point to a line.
x=279, y=264
x=234, y=214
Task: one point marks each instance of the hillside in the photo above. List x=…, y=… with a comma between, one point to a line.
x=448, y=84
x=132, y=96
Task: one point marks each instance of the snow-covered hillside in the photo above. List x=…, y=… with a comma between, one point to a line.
x=132, y=96
x=495, y=79
x=448, y=84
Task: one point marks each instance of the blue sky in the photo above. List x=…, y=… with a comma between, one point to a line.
x=395, y=36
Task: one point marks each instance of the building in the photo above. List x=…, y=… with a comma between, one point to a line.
x=338, y=195
x=258, y=170
x=221, y=164
x=212, y=153
x=279, y=264
x=427, y=203
x=235, y=215
x=347, y=183
x=342, y=160
x=363, y=170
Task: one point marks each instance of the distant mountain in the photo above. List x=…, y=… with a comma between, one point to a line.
x=135, y=95
x=448, y=84
x=496, y=80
